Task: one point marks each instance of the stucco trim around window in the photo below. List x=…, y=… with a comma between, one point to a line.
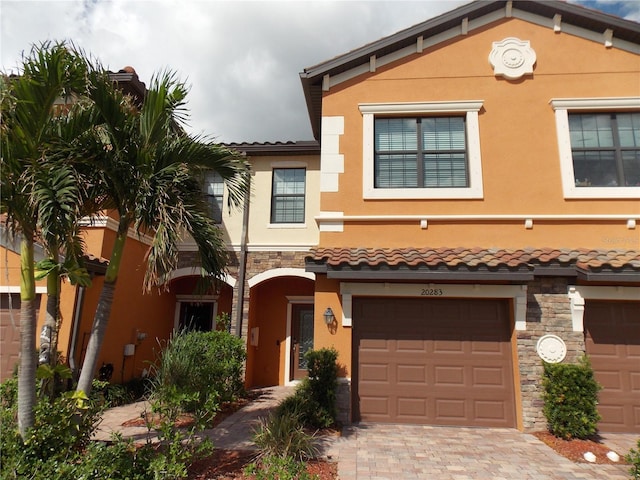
x=562, y=108
x=469, y=108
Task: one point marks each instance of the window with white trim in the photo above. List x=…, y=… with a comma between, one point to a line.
x=606, y=149
x=421, y=150
x=599, y=146
x=287, y=195
x=213, y=190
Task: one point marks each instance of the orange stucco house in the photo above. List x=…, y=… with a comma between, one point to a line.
x=468, y=207
x=479, y=200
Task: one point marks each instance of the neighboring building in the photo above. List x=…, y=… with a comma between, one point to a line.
x=480, y=190
x=514, y=235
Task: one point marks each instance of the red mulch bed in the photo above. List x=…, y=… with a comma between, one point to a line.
x=229, y=465
x=186, y=419
x=575, y=449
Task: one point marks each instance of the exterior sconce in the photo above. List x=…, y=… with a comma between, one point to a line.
x=329, y=317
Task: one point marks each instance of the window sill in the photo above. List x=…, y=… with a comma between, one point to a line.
x=423, y=193
x=601, y=192
x=287, y=225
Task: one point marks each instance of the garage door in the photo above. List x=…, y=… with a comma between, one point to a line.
x=435, y=361
x=612, y=337
x=9, y=334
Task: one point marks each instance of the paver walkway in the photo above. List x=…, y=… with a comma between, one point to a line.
x=407, y=452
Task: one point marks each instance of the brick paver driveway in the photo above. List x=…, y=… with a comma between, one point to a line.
x=407, y=452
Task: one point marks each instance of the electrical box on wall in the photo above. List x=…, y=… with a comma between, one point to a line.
x=253, y=338
x=129, y=349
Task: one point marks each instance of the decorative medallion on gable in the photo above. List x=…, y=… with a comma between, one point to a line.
x=512, y=58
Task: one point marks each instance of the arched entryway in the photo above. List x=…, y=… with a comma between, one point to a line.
x=280, y=326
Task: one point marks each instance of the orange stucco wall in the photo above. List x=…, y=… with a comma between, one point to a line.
x=132, y=312
x=520, y=160
x=10, y=278
x=334, y=335
x=266, y=362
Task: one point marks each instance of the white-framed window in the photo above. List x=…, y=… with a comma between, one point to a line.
x=425, y=150
x=599, y=146
x=288, y=195
x=213, y=190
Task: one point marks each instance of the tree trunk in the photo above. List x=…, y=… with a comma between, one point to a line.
x=28, y=327
x=49, y=331
x=101, y=318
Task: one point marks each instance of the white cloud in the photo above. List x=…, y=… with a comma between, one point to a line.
x=242, y=59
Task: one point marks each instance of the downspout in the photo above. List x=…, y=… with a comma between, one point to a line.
x=242, y=266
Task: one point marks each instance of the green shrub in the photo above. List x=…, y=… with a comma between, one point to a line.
x=283, y=435
x=633, y=457
x=314, y=400
x=201, y=368
x=62, y=430
x=59, y=447
x=570, y=399
x=273, y=467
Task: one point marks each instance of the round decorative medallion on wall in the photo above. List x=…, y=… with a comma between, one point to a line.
x=551, y=349
x=512, y=58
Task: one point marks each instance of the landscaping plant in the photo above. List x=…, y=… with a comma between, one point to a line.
x=633, y=457
x=314, y=401
x=570, y=399
x=199, y=370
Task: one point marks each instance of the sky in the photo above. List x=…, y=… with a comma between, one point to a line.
x=241, y=59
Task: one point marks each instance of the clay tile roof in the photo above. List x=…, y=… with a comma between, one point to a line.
x=585, y=259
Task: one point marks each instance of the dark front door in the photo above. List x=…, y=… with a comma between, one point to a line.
x=196, y=316
x=301, y=339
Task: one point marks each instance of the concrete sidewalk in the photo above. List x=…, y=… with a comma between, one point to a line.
x=405, y=452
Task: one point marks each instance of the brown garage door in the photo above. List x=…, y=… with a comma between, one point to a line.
x=612, y=337
x=9, y=334
x=436, y=361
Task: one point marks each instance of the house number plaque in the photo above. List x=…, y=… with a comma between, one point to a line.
x=431, y=292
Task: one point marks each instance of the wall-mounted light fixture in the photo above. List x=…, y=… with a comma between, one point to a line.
x=329, y=317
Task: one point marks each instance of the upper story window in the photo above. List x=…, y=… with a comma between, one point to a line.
x=288, y=195
x=213, y=190
x=605, y=149
x=422, y=150
x=599, y=146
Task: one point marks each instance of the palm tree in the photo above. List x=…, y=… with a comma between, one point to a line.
x=150, y=171
x=31, y=104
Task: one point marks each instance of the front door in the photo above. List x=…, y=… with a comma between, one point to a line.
x=301, y=338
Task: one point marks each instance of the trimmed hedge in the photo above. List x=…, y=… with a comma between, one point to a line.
x=570, y=399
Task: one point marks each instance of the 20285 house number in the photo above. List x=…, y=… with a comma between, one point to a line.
x=431, y=292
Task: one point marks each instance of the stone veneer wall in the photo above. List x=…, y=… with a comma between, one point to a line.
x=257, y=262
x=548, y=312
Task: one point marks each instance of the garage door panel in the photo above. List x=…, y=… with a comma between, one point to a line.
x=411, y=346
x=375, y=405
x=487, y=377
x=448, y=346
x=411, y=374
x=374, y=372
x=443, y=368
x=487, y=410
x=451, y=410
x=449, y=376
x=612, y=340
x=411, y=407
